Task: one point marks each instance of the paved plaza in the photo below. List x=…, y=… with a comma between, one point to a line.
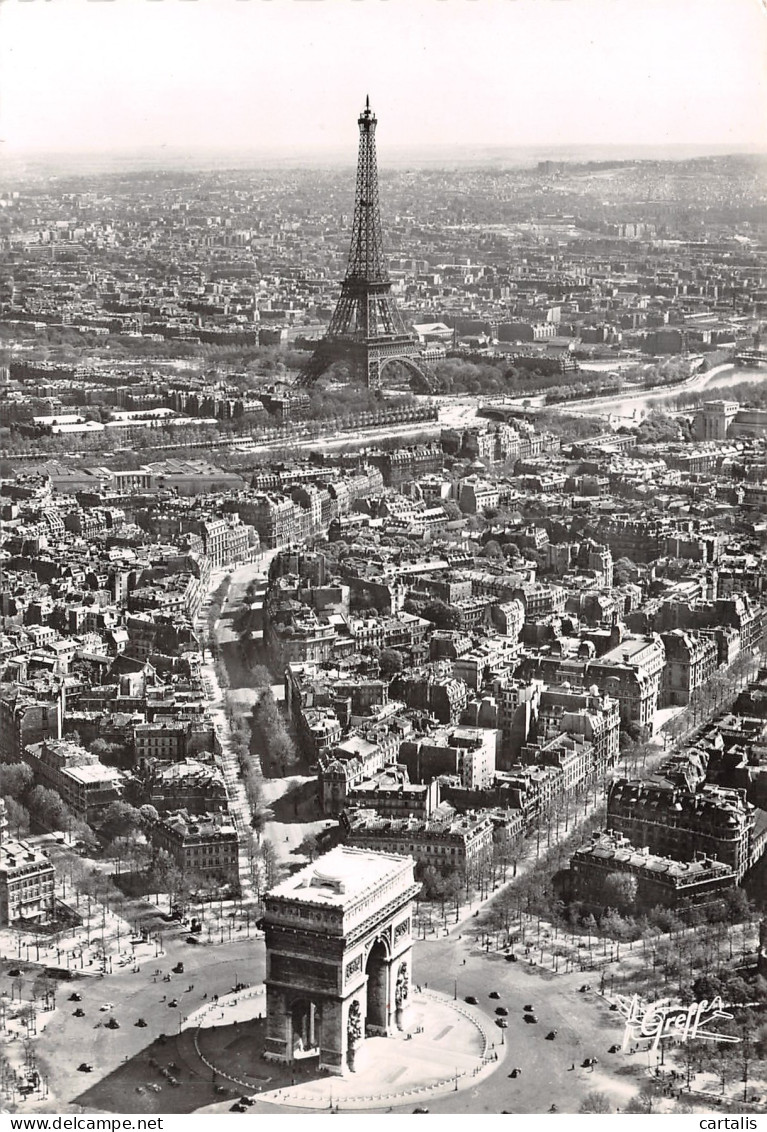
x=446, y=1047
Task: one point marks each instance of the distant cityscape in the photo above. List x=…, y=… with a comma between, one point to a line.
x=358, y=634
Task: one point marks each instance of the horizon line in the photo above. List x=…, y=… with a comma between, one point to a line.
x=141, y=147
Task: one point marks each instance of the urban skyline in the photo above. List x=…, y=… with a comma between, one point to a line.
x=383, y=567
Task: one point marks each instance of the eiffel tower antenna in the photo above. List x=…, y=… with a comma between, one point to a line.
x=366, y=329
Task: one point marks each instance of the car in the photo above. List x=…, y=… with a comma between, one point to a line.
x=178, y=969
x=247, y=1101
x=192, y=939
x=501, y=1023
x=75, y=997
x=107, y=1006
x=501, y=1010
x=84, y=1067
x=173, y=1002
x=238, y=1107
x=551, y=1035
x=614, y=1049
x=493, y=994
x=614, y=1006
x=79, y=1013
x=528, y=1009
x=420, y=1109
x=141, y=1023
x=511, y=958
x=14, y=972
x=113, y=1024
x=531, y=1019
x=471, y=999
x=516, y=1072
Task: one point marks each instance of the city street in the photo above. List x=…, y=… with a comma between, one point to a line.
x=68, y=1041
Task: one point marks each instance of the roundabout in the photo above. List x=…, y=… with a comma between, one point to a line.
x=446, y=1048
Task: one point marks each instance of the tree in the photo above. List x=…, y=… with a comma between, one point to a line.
x=723, y=1063
x=619, y=891
x=15, y=779
x=624, y=571
x=120, y=819
x=492, y=549
x=269, y=735
x=148, y=814
x=271, y=863
x=649, y=1090
x=124, y=849
x=391, y=662
x=106, y=751
x=443, y=616
x=261, y=676
x=613, y=925
x=595, y=1102
x=310, y=846
x=164, y=874
x=18, y=816
x=47, y=808
x=82, y=832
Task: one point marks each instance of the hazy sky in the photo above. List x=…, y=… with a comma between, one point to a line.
x=292, y=74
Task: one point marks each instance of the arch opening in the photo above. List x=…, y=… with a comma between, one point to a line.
x=305, y=1028
x=420, y=381
x=377, y=970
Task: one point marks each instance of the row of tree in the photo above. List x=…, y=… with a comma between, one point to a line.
x=27, y=804
x=271, y=741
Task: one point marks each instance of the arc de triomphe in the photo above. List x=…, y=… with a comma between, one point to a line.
x=338, y=962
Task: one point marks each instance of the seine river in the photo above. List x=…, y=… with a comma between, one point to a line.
x=637, y=406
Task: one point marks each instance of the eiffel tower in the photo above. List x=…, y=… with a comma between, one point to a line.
x=366, y=329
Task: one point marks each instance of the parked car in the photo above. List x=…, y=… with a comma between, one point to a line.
x=178, y=969
x=528, y=1009
x=75, y=997
x=79, y=1013
x=501, y=1023
x=113, y=1024
x=173, y=1002
x=493, y=994
x=141, y=1023
x=84, y=1067
x=551, y=1035
x=471, y=999
x=531, y=1019
x=501, y=1010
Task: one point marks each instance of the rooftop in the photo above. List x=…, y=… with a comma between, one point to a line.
x=340, y=876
